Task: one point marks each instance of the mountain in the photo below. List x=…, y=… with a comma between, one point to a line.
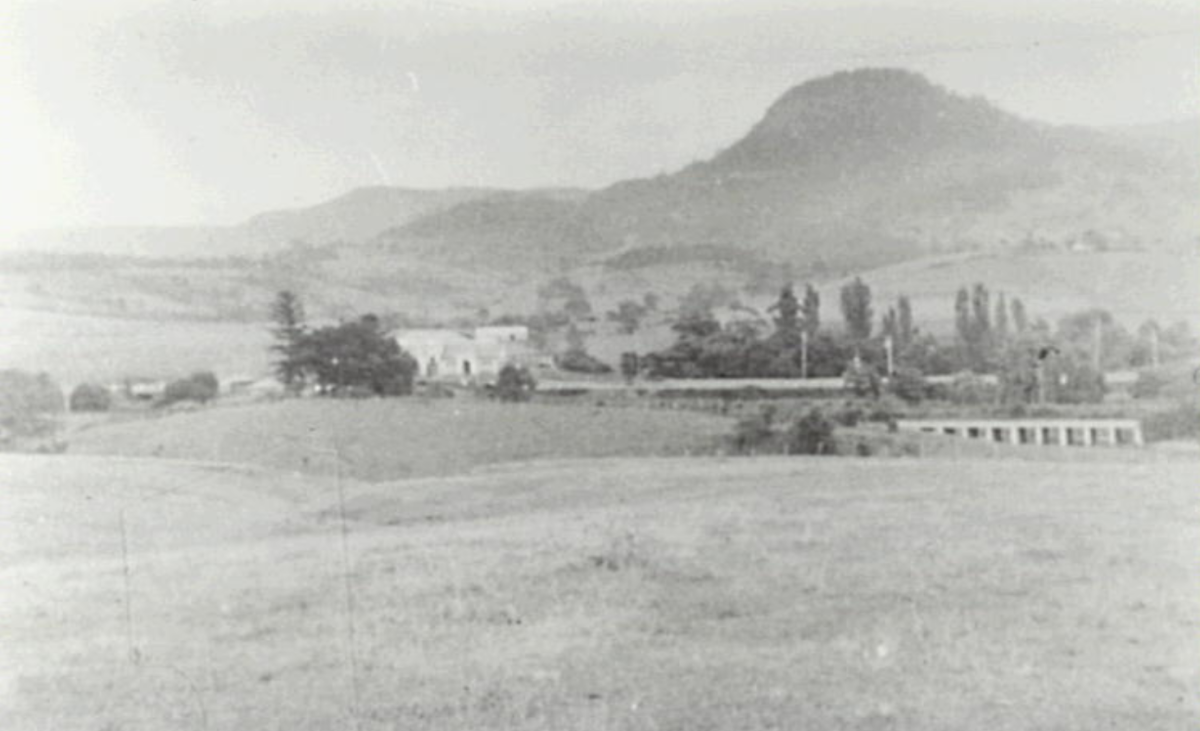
x=353, y=217
x=858, y=169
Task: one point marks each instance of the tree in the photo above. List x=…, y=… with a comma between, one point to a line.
x=200, y=387
x=564, y=296
x=889, y=325
x=963, y=324
x=861, y=379
x=630, y=366
x=357, y=357
x=787, y=311
x=909, y=384
x=28, y=403
x=1000, y=321
x=856, y=309
x=906, y=331
x=90, y=397
x=628, y=316
x=973, y=325
x=514, y=383
x=811, y=434
x=1094, y=336
x=576, y=340
x=981, y=312
x=810, y=310
x=1019, y=317
x=207, y=385
x=1019, y=373
x=755, y=432
x=287, y=312
x=580, y=361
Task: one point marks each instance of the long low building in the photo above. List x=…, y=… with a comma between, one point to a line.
x=1062, y=432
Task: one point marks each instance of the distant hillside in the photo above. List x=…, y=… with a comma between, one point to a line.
x=851, y=171
x=504, y=231
x=354, y=217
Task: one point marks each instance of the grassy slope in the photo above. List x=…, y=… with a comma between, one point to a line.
x=75, y=348
x=388, y=439
x=751, y=594
x=1134, y=286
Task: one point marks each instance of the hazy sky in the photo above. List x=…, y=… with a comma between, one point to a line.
x=191, y=111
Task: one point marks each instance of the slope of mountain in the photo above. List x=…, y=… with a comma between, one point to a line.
x=857, y=169
x=356, y=216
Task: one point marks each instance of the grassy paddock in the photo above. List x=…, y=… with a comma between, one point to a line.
x=616, y=594
x=381, y=439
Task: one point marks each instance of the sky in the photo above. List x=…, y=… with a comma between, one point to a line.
x=177, y=112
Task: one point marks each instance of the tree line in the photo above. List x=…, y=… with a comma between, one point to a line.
x=992, y=335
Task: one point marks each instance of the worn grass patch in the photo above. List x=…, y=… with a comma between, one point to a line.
x=616, y=594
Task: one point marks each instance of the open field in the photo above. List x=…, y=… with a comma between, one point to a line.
x=611, y=594
x=394, y=438
x=74, y=348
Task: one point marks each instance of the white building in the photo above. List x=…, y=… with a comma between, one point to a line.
x=455, y=355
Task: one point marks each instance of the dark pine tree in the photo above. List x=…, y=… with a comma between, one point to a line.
x=810, y=310
x=287, y=312
x=856, y=309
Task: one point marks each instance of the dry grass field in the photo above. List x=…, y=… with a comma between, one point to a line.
x=393, y=438
x=75, y=348
x=710, y=593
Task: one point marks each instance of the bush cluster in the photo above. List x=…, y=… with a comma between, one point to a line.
x=90, y=397
x=200, y=387
x=762, y=433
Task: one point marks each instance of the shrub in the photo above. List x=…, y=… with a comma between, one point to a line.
x=849, y=415
x=968, y=388
x=90, y=397
x=200, y=387
x=580, y=361
x=28, y=403
x=811, y=434
x=514, y=383
x=755, y=433
x=909, y=384
x=206, y=384
x=1180, y=422
x=1150, y=384
x=862, y=380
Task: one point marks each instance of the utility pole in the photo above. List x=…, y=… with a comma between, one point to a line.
x=889, y=348
x=1041, y=382
x=804, y=353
